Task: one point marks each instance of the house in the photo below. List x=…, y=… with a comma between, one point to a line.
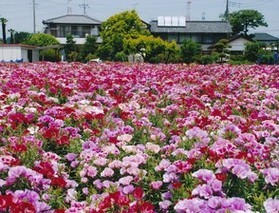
x=178, y=29
x=18, y=53
x=237, y=43
x=265, y=38
x=77, y=25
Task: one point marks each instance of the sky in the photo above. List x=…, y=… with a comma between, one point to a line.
x=20, y=12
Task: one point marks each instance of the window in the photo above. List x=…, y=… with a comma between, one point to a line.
x=74, y=31
x=173, y=37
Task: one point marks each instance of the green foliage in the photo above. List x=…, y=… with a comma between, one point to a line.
x=89, y=47
x=69, y=46
x=207, y=59
x=222, y=48
x=118, y=27
x=152, y=49
x=41, y=39
x=50, y=55
x=21, y=37
x=189, y=50
x=244, y=19
x=251, y=51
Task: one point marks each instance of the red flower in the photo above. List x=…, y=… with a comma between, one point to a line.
x=19, y=148
x=221, y=176
x=45, y=169
x=59, y=211
x=63, y=140
x=138, y=193
x=146, y=207
x=176, y=185
x=58, y=181
x=22, y=207
x=5, y=201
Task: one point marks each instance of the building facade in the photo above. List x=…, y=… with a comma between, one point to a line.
x=178, y=29
x=18, y=53
x=77, y=25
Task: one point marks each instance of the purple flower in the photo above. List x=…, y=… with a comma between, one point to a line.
x=271, y=175
x=204, y=191
x=204, y=174
x=193, y=205
x=271, y=205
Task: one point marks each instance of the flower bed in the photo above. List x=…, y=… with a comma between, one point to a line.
x=139, y=138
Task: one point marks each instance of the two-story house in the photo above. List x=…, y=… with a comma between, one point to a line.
x=178, y=29
x=77, y=25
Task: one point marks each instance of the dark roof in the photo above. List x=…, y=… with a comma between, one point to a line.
x=264, y=37
x=240, y=36
x=72, y=19
x=193, y=27
x=26, y=46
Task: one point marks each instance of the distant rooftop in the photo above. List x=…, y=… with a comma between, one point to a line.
x=193, y=27
x=264, y=37
x=72, y=19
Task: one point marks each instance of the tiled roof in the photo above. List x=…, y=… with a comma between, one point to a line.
x=72, y=19
x=264, y=37
x=193, y=27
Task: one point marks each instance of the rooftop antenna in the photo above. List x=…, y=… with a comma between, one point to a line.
x=84, y=6
x=188, y=17
x=203, y=16
x=69, y=10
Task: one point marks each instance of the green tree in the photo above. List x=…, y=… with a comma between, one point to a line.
x=222, y=48
x=70, y=47
x=242, y=20
x=150, y=48
x=21, y=37
x=89, y=48
x=252, y=51
x=41, y=39
x=117, y=28
x=4, y=22
x=189, y=50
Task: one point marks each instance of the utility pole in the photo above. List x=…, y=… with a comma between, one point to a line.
x=34, y=16
x=226, y=14
x=84, y=6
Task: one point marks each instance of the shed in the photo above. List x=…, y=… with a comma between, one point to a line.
x=18, y=53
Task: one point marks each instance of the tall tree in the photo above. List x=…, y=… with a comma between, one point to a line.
x=242, y=20
x=118, y=27
x=4, y=21
x=12, y=38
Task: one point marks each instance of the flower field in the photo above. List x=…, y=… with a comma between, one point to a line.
x=139, y=138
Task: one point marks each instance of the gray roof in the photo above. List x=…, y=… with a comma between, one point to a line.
x=193, y=27
x=72, y=19
x=264, y=37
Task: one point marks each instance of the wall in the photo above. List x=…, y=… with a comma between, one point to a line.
x=10, y=53
x=238, y=44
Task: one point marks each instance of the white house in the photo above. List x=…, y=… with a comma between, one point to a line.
x=18, y=53
x=238, y=42
x=77, y=25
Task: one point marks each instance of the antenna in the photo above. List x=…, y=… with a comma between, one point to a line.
x=188, y=17
x=84, y=6
x=69, y=10
x=203, y=16
x=34, y=16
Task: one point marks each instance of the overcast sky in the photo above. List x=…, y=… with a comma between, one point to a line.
x=20, y=12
